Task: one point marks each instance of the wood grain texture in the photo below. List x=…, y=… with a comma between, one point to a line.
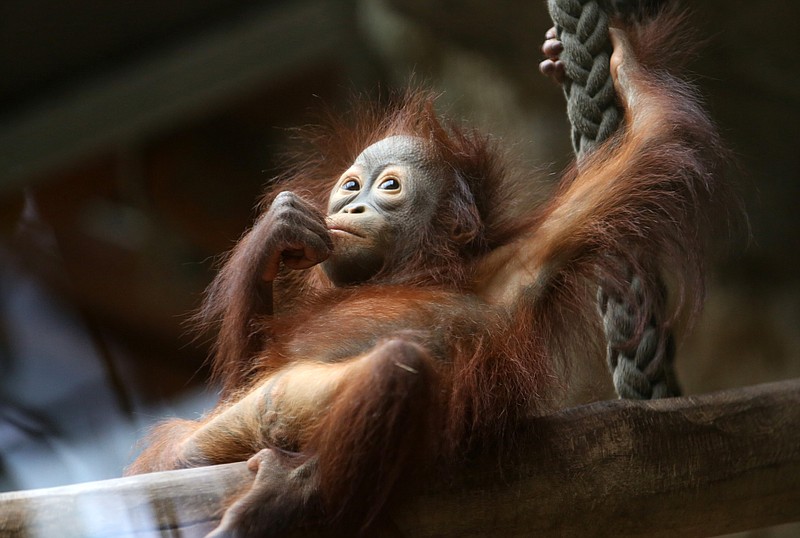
x=138, y=506
x=693, y=466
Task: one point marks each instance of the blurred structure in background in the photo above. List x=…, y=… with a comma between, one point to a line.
x=135, y=138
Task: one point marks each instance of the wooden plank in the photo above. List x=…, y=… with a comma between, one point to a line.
x=140, y=505
x=692, y=466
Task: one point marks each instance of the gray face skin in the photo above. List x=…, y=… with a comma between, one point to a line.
x=390, y=193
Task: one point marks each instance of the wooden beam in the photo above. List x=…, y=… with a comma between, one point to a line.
x=693, y=466
x=189, y=499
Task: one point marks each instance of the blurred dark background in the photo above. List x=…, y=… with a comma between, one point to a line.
x=135, y=138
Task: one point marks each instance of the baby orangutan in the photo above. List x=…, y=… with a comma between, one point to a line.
x=377, y=329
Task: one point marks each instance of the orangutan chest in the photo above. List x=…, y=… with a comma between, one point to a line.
x=354, y=324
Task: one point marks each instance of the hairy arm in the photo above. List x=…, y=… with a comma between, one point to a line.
x=239, y=302
x=238, y=306
x=644, y=200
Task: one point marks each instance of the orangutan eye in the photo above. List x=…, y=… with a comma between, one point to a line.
x=351, y=185
x=390, y=184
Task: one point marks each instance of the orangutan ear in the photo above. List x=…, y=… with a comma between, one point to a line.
x=463, y=235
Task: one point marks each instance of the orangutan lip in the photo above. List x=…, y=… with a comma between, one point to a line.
x=343, y=230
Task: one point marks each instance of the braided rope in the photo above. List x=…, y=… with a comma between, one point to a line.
x=582, y=26
x=643, y=369
x=640, y=369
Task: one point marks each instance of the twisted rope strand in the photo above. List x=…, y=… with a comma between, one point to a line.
x=582, y=26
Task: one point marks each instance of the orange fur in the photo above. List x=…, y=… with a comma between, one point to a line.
x=449, y=348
